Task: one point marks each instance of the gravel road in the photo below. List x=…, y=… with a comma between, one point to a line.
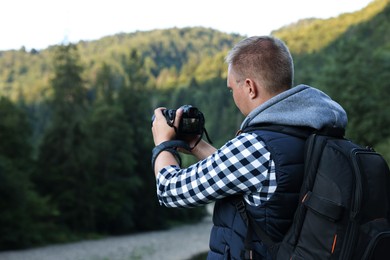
x=180, y=243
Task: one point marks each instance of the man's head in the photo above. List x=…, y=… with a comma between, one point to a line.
x=259, y=68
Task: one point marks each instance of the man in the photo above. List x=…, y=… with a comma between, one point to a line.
x=265, y=167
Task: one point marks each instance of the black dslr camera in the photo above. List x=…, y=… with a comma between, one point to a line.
x=191, y=123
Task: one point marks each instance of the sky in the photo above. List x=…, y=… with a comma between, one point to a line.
x=40, y=23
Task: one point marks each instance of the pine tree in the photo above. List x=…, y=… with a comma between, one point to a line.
x=23, y=212
x=63, y=154
x=112, y=147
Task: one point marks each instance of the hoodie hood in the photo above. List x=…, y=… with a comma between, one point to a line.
x=299, y=106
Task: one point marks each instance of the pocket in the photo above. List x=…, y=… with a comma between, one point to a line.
x=323, y=226
x=374, y=238
x=318, y=238
x=379, y=247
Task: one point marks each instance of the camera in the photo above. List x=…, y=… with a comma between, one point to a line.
x=191, y=122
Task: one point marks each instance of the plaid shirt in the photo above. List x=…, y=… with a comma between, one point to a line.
x=243, y=165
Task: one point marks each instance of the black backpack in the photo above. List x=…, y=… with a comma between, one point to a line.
x=344, y=209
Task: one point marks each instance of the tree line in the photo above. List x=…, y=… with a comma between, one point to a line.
x=90, y=174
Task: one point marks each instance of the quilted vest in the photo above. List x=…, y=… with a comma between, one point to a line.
x=275, y=215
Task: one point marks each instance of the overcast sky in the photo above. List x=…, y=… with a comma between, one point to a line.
x=40, y=23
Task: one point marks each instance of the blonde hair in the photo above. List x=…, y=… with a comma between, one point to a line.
x=264, y=59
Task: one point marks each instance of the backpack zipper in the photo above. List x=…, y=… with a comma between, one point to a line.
x=352, y=229
x=301, y=207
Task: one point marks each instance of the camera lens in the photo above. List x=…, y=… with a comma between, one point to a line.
x=190, y=125
x=192, y=112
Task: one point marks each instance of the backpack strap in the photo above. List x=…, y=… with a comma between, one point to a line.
x=336, y=132
x=249, y=253
x=297, y=131
x=252, y=226
x=300, y=132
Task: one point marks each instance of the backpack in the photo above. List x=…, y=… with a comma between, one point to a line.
x=344, y=208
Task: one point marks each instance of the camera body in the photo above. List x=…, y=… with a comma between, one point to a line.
x=191, y=122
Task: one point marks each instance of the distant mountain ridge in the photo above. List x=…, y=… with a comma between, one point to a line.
x=172, y=57
x=165, y=52
x=310, y=35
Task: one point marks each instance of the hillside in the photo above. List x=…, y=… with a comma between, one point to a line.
x=167, y=54
x=311, y=35
x=172, y=56
x=353, y=68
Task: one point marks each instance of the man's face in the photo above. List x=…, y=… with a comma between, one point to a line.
x=237, y=88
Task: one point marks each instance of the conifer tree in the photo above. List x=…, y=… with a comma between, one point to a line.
x=63, y=155
x=112, y=164
x=23, y=212
x=134, y=99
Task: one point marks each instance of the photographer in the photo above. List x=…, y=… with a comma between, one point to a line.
x=264, y=167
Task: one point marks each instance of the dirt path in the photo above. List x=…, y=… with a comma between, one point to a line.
x=179, y=243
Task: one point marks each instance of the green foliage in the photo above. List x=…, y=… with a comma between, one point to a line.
x=69, y=94
x=111, y=166
x=23, y=212
x=312, y=35
x=353, y=71
x=384, y=148
x=62, y=173
x=27, y=74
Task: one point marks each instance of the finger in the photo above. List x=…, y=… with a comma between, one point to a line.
x=179, y=114
x=158, y=114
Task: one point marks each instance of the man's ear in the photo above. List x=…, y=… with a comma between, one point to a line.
x=251, y=87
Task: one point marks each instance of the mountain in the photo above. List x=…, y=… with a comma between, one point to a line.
x=166, y=53
x=349, y=52
x=352, y=67
x=311, y=35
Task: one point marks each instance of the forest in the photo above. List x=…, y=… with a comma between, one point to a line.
x=75, y=122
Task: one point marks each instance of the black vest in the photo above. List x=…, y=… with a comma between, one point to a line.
x=274, y=216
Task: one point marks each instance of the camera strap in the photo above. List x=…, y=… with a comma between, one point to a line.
x=207, y=136
x=200, y=138
x=169, y=146
x=204, y=131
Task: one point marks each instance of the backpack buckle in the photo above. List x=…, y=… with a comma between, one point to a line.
x=240, y=206
x=247, y=254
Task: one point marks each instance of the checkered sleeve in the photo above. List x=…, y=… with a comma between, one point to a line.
x=243, y=165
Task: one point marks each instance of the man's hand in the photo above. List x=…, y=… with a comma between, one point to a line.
x=161, y=130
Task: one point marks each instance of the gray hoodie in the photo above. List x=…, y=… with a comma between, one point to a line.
x=299, y=106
